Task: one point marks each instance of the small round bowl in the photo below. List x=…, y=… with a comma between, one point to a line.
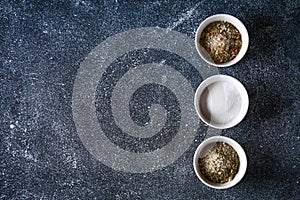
x=235, y=22
x=202, y=150
x=221, y=101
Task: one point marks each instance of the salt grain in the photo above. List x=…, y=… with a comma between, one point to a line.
x=221, y=102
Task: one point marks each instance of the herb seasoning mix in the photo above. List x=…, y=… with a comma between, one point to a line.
x=222, y=41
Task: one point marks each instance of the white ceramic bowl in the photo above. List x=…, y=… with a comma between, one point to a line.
x=234, y=21
x=221, y=101
x=202, y=150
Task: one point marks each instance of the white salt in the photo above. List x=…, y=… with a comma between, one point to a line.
x=220, y=102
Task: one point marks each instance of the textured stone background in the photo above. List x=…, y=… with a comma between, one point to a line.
x=42, y=44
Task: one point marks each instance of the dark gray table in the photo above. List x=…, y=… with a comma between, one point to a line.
x=72, y=130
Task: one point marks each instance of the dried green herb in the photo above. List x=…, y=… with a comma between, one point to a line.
x=220, y=164
x=222, y=41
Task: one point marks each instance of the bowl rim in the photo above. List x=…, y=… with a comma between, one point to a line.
x=237, y=147
x=231, y=19
x=222, y=78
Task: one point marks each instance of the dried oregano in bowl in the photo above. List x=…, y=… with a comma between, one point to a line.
x=220, y=164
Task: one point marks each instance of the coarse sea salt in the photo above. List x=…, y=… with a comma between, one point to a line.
x=220, y=102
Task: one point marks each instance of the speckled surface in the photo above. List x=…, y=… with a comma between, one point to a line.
x=44, y=154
